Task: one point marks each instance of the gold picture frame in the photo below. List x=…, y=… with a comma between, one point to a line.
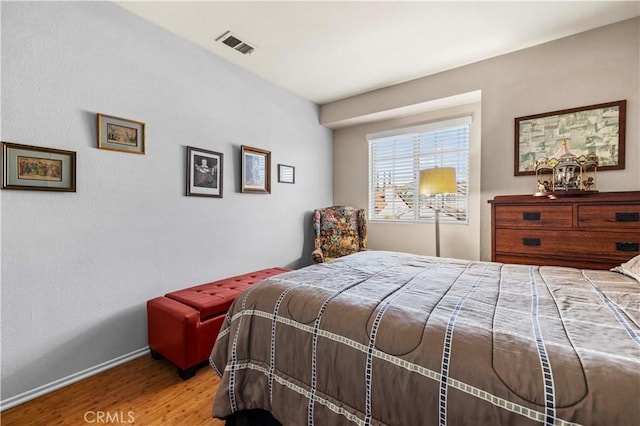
x=121, y=134
x=256, y=170
x=37, y=168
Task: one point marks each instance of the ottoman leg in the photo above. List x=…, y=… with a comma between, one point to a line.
x=186, y=374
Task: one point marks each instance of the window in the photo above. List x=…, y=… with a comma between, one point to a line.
x=395, y=160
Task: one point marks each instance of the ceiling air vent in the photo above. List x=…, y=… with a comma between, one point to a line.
x=235, y=42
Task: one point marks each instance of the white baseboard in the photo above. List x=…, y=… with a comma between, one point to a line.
x=65, y=381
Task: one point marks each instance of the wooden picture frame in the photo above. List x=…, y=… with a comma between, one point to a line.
x=286, y=174
x=598, y=129
x=37, y=168
x=121, y=134
x=256, y=170
x=204, y=172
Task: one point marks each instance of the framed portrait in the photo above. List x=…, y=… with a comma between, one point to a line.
x=204, y=172
x=594, y=129
x=256, y=170
x=121, y=134
x=286, y=174
x=37, y=168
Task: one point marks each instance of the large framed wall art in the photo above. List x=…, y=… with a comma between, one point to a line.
x=594, y=129
x=256, y=170
x=38, y=168
x=204, y=172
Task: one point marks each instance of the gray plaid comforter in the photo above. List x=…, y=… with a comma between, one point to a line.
x=384, y=338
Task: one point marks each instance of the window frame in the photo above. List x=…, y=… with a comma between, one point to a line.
x=416, y=135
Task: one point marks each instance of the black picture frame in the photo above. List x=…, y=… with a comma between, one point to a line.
x=205, y=172
x=286, y=174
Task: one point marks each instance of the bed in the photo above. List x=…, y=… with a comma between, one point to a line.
x=386, y=338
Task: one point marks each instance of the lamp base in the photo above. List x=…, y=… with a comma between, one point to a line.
x=437, y=232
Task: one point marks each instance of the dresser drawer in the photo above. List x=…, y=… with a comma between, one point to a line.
x=623, y=216
x=581, y=263
x=576, y=244
x=560, y=216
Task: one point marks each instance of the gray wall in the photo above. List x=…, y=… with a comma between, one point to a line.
x=77, y=268
x=593, y=67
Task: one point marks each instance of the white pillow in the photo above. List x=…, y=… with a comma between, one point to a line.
x=630, y=268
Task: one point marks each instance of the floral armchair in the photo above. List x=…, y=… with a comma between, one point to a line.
x=339, y=231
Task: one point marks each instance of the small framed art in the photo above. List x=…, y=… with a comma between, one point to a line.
x=121, y=134
x=256, y=170
x=286, y=174
x=38, y=168
x=204, y=172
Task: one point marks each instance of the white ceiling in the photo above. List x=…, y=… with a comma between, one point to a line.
x=326, y=51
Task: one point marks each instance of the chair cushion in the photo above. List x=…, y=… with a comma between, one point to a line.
x=339, y=233
x=214, y=298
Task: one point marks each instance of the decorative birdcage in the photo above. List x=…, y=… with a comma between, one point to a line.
x=569, y=173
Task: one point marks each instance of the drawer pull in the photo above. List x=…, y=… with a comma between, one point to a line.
x=530, y=215
x=531, y=242
x=628, y=217
x=627, y=246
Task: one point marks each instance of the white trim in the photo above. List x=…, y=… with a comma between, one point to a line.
x=73, y=378
x=393, y=113
x=434, y=126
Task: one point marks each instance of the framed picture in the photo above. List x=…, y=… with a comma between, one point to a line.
x=598, y=129
x=256, y=170
x=120, y=134
x=204, y=172
x=286, y=174
x=37, y=168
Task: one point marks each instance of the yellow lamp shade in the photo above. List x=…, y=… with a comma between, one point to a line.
x=439, y=180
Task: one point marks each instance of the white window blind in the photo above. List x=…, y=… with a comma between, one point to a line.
x=395, y=160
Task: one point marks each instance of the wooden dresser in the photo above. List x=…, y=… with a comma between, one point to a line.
x=592, y=231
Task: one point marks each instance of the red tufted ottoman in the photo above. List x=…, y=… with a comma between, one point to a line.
x=183, y=325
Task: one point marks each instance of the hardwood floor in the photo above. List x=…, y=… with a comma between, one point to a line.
x=143, y=392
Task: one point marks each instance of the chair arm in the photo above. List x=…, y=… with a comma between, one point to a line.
x=317, y=255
